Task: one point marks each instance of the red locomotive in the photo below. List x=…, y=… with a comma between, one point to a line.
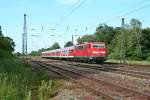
x=86, y=52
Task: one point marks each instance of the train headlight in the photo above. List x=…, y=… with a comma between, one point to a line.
x=95, y=52
x=103, y=52
x=99, y=52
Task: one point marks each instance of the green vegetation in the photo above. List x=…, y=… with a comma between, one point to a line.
x=6, y=46
x=68, y=44
x=130, y=62
x=137, y=40
x=19, y=81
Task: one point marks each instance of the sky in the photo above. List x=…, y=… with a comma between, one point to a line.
x=47, y=20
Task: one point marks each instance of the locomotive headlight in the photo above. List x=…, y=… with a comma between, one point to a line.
x=103, y=52
x=95, y=52
x=99, y=52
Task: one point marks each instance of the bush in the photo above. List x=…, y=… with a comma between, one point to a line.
x=8, y=88
x=114, y=56
x=19, y=82
x=148, y=58
x=5, y=54
x=47, y=89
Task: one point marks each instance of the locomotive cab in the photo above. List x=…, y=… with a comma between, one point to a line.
x=98, y=51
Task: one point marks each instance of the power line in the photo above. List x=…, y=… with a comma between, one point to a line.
x=144, y=1
x=130, y=12
x=122, y=15
x=138, y=9
x=68, y=10
x=71, y=12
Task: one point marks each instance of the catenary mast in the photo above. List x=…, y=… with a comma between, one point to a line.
x=24, y=35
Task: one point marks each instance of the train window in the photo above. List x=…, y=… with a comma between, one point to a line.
x=81, y=47
x=85, y=46
x=76, y=47
x=57, y=52
x=98, y=45
x=70, y=51
x=88, y=46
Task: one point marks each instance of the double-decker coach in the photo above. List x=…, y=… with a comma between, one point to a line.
x=85, y=52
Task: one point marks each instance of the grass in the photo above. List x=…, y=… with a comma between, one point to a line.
x=130, y=62
x=18, y=81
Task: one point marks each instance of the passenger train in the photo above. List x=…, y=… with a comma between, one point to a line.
x=85, y=52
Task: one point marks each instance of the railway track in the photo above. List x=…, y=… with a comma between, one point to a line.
x=112, y=69
x=108, y=90
x=71, y=75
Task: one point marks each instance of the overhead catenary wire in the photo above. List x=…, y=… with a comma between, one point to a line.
x=144, y=1
x=121, y=15
x=68, y=10
x=129, y=12
x=71, y=12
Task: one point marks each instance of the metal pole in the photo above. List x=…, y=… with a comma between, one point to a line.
x=0, y=30
x=23, y=45
x=123, y=42
x=72, y=39
x=24, y=50
x=121, y=48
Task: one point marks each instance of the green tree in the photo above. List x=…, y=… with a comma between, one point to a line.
x=68, y=44
x=18, y=54
x=135, y=23
x=38, y=53
x=135, y=39
x=145, y=42
x=7, y=44
x=34, y=53
x=86, y=38
x=115, y=46
x=55, y=46
x=104, y=33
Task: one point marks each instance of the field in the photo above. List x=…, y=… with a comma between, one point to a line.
x=19, y=81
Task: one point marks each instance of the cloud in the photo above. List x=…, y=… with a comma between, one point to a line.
x=68, y=2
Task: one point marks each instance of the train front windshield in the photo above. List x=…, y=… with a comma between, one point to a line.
x=98, y=45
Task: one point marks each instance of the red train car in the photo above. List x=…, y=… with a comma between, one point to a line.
x=86, y=52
